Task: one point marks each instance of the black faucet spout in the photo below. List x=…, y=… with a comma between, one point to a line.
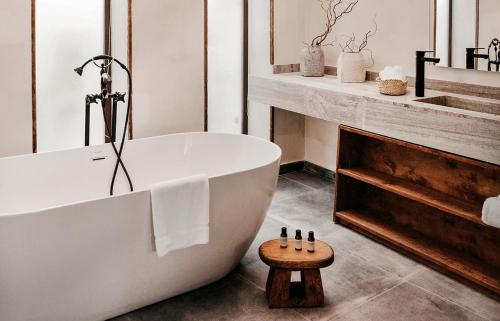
x=433, y=60
x=420, y=72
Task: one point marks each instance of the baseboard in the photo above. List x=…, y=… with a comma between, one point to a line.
x=322, y=172
x=314, y=169
x=291, y=167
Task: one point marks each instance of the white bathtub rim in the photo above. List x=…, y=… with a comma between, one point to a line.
x=143, y=190
x=142, y=139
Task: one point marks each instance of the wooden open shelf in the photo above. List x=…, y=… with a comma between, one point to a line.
x=467, y=210
x=442, y=257
x=425, y=202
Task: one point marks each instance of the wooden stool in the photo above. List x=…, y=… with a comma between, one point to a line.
x=280, y=291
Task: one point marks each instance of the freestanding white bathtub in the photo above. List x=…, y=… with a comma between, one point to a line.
x=68, y=251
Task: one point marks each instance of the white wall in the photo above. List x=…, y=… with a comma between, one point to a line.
x=168, y=66
x=289, y=131
x=15, y=78
x=225, y=66
x=259, y=120
x=289, y=128
x=289, y=29
x=404, y=27
x=67, y=34
x=321, y=142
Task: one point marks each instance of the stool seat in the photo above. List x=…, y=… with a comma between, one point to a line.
x=273, y=255
x=280, y=291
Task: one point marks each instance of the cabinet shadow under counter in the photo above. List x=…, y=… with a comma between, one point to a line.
x=421, y=201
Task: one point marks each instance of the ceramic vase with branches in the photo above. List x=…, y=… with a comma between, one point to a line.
x=312, y=57
x=352, y=64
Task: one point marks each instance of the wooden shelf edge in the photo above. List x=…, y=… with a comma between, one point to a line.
x=422, y=148
x=417, y=247
x=440, y=201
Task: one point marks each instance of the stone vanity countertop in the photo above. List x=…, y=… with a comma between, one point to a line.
x=465, y=132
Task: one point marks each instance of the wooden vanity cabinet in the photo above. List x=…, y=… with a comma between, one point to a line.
x=421, y=201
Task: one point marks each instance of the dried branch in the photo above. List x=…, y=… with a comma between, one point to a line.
x=331, y=8
x=369, y=34
x=331, y=43
x=350, y=44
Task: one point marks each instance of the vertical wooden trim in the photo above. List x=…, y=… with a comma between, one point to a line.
x=271, y=61
x=476, y=40
x=108, y=51
x=434, y=31
x=271, y=32
x=245, y=68
x=33, y=76
x=271, y=129
x=477, y=23
x=205, y=64
x=450, y=34
x=129, y=62
x=476, y=62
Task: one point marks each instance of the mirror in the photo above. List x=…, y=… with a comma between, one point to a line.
x=467, y=33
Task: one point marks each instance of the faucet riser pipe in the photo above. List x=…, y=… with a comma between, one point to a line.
x=87, y=123
x=420, y=78
x=113, y=119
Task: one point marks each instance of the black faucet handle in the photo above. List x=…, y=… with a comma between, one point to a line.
x=422, y=53
x=92, y=99
x=120, y=97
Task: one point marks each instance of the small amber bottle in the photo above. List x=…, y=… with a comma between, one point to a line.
x=298, y=240
x=310, y=242
x=283, y=238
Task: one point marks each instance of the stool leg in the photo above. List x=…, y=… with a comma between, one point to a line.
x=313, y=287
x=269, y=282
x=278, y=288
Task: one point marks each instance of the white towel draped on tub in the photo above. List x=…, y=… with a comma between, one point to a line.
x=180, y=213
x=491, y=211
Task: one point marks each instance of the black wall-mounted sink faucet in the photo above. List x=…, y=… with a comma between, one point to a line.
x=420, y=75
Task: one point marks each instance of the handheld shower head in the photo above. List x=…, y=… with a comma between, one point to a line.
x=79, y=71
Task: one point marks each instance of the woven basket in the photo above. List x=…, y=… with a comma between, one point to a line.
x=392, y=87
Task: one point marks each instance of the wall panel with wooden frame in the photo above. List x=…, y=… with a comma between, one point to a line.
x=107, y=35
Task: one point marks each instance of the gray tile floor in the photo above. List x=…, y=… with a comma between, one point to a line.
x=366, y=282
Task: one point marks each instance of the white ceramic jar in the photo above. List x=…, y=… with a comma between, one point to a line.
x=351, y=67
